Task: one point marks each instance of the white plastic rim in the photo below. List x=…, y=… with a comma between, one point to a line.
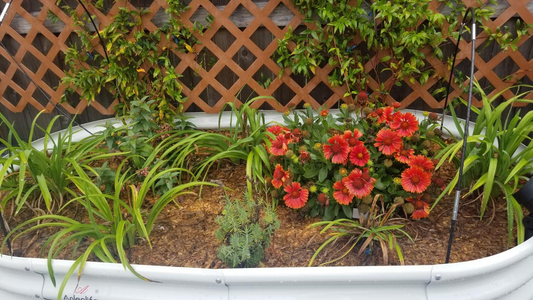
x=507, y=275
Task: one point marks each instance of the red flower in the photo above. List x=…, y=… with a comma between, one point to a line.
x=359, y=155
x=421, y=161
x=296, y=196
x=304, y=156
x=280, y=176
x=396, y=104
x=276, y=130
x=324, y=113
x=387, y=115
x=359, y=183
x=415, y=180
x=296, y=134
x=388, y=141
x=352, y=138
x=421, y=208
x=323, y=199
x=405, y=124
x=342, y=195
x=338, y=149
x=362, y=97
x=279, y=145
x=404, y=155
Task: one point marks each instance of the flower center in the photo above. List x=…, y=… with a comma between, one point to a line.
x=295, y=194
x=336, y=148
x=345, y=191
x=415, y=179
x=387, y=141
x=352, y=141
x=278, y=175
x=360, y=155
x=358, y=183
x=405, y=125
x=418, y=204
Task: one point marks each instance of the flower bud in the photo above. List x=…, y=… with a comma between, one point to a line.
x=367, y=110
x=437, y=132
x=409, y=208
x=363, y=208
x=306, y=134
x=289, y=154
x=433, y=116
x=430, y=133
x=425, y=113
x=307, y=105
x=352, y=107
x=313, y=189
x=399, y=200
x=387, y=163
x=343, y=171
x=274, y=194
x=309, y=121
x=426, y=144
x=302, y=148
x=344, y=106
x=367, y=199
x=415, y=138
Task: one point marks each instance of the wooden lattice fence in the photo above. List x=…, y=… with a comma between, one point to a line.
x=240, y=43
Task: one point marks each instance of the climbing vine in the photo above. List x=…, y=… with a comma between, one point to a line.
x=139, y=65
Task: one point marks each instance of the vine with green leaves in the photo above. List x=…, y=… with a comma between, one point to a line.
x=396, y=32
x=139, y=63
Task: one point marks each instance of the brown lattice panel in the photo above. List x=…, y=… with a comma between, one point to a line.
x=39, y=45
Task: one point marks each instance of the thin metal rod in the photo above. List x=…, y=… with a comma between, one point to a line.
x=465, y=136
x=451, y=74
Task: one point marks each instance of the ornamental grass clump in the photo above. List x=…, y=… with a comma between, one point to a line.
x=327, y=165
x=498, y=162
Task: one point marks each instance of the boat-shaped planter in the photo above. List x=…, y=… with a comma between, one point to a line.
x=507, y=275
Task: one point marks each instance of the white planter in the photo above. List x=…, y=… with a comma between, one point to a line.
x=508, y=275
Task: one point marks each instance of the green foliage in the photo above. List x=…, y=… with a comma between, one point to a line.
x=246, y=143
x=115, y=222
x=376, y=226
x=28, y=173
x=140, y=62
x=495, y=164
x=397, y=30
x=245, y=229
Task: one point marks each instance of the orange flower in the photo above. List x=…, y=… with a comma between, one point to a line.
x=359, y=155
x=337, y=151
x=352, y=138
x=276, y=130
x=404, y=155
x=386, y=116
x=421, y=161
x=279, y=145
x=342, y=195
x=396, y=104
x=296, y=196
x=405, y=124
x=421, y=208
x=359, y=183
x=388, y=141
x=323, y=199
x=415, y=180
x=324, y=113
x=280, y=176
x=304, y=156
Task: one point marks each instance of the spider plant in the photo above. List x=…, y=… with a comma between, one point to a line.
x=115, y=220
x=377, y=225
x=42, y=174
x=495, y=164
